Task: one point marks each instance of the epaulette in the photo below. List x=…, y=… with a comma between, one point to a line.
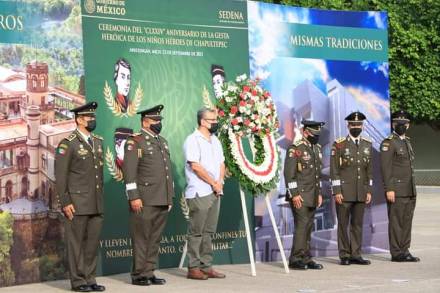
x=71, y=137
x=407, y=137
x=367, y=139
x=341, y=139
x=298, y=142
x=97, y=136
x=391, y=136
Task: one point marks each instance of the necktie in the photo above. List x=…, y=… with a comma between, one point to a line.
x=89, y=140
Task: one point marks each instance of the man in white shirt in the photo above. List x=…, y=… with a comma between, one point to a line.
x=204, y=171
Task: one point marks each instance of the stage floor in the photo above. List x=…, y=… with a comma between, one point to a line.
x=381, y=276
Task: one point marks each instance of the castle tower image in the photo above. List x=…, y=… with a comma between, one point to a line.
x=33, y=115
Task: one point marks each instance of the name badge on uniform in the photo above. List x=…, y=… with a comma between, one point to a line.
x=347, y=152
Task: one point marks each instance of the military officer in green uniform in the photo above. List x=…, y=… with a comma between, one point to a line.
x=79, y=182
x=302, y=174
x=352, y=180
x=150, y=190
x=397, y=163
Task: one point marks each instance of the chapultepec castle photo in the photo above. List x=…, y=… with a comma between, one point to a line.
x=34, y=117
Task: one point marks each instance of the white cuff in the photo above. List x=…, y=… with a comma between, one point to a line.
x=292, y=184
x=336, y=182
x=131, y=186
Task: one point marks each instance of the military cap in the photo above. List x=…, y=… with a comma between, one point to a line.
x=217, y=69
x=313, y=126
x=123, y=132
x=400, y=116
x=152, y=113
x=355, y=118
x=88, y=109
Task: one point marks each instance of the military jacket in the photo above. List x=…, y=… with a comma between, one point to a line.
x=302, y=172
x=397, y=164
x=147, y=169
x=351, y=169
x=79, y=173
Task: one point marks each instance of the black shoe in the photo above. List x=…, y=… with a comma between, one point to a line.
x=82, y=288
x=141, y=281
x=298, y=265
x=97, y=288
x=398, y=258
x=409, y=258
x=359, y=261
x=157, y=281
x=345, y=261
x=314, y=266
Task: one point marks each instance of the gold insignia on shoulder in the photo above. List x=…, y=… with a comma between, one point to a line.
x=291, y=153
x=298, y=142
x=391, y=136
x=97, y=136
x=71, y=137
x=340, y=139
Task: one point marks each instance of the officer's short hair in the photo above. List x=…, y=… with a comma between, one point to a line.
x=201, y=114
x=120, y=62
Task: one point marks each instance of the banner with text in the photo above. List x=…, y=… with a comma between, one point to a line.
x=138, y=54
x=321, y=65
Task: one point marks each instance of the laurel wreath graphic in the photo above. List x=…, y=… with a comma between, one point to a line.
x=133, y=105
x=113, y=169
x=184, y=207
x=207, y=99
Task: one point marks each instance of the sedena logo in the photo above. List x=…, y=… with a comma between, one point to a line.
x=232, y=16
x=89, y=6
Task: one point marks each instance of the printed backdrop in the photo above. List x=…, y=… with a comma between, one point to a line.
x=132, y=55
x=321, y=65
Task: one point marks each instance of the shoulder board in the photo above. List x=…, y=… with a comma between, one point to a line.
x=298, y=143
x=318, y=145
x=135, y=134
x=407, y=137
x=341, y=139
x=71, y=137
x=97, y=136
x=366, y=139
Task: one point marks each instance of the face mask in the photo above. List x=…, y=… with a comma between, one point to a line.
x=400, y=129
x=91, y=125
x=214, y=128
x=156, y=128
x=355, y=132
x=313, y=139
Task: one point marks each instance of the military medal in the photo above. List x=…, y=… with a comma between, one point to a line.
x=306, y=156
